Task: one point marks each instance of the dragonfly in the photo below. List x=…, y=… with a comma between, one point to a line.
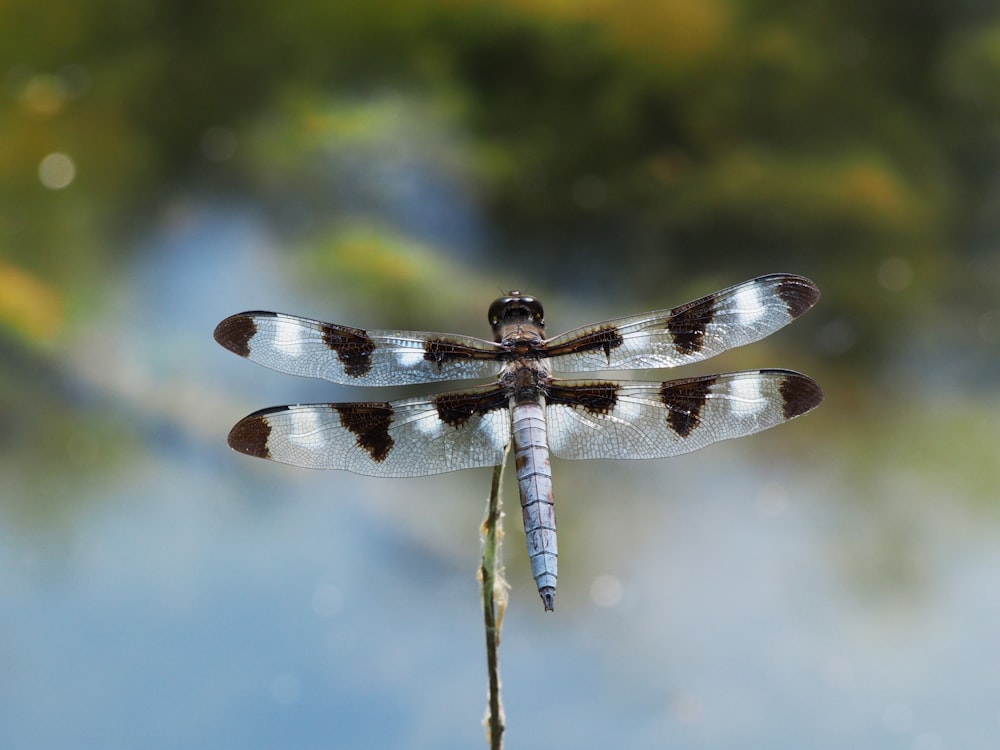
x=524, y=401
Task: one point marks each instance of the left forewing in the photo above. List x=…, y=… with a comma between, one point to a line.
x=414, y=437
x=341, y=354
x=612, y=419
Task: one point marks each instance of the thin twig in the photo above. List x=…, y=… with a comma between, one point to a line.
x=494, y=605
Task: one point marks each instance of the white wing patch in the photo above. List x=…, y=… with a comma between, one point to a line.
x=306, y=428
x=747, y=305
x=745, y=397
x=286, y=338
x=410, y=358
x=428, y=425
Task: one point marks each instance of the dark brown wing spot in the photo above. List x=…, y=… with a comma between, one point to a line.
x=235, y=332
x=250, y=434
x=800, y=394
x=370, y=424
x=595, y=398
x=605, y=338
x=455, y=409
x=354, y=348
x=440, y=351
x=684, y=400
x=799, y=294
x=687, y=324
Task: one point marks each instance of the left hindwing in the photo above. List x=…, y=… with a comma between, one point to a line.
x=612, y=419
x=410, y=438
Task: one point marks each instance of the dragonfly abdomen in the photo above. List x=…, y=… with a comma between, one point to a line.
x=534, y=480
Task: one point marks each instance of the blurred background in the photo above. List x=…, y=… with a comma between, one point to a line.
x=830, y=584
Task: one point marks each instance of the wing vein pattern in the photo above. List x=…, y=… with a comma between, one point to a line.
x=409, y=438
x=661, y=419
x=689, y=333
x=352, y=356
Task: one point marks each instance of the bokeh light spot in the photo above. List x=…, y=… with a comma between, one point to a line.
x=57, y=171
x=606, y=591
x=43, y=95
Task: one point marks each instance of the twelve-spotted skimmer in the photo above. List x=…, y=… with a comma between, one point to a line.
x=543, y=414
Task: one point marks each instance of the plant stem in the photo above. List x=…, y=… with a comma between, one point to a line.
x=494, y=605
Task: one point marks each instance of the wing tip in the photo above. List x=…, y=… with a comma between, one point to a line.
x=250, y=435
x=798, y=293
x=234, y=333
x=801, y=394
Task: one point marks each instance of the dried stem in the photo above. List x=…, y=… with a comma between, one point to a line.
x=494, y=605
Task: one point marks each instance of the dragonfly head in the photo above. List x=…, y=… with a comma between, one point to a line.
x=516, y=309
